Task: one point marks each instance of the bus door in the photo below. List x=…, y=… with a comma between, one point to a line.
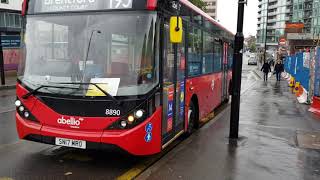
x=225, y=72
x=173, y=67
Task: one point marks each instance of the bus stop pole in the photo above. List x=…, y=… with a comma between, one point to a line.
x=1, y=63
x=236, y=74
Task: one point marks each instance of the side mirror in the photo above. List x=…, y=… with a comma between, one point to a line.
x=176, y=29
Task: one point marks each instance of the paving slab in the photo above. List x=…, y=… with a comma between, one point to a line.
x=270, y=120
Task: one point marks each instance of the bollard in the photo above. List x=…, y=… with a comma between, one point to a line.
x=291, y=83
x=296, y=87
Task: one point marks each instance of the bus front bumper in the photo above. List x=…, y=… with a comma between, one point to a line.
x=133, y=140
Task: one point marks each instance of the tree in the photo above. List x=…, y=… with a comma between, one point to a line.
x=250, y=43
x=199, y=3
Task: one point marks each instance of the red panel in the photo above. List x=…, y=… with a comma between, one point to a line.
x=92, y=136
x=208, y=90
x=25, y=128
x=50, y=118
x=134, y=141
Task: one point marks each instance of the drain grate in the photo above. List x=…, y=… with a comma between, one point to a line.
x=309, y=140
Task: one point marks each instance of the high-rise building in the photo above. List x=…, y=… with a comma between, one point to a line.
x=272, y=18
x=211, y=8
x=307, y=12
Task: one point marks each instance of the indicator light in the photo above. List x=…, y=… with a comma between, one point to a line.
x=17, y=103
x=130, y=119
x=123, y=123
x=21, y=108
x=139, y=113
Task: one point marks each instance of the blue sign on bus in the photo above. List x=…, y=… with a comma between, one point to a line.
x=10, y=41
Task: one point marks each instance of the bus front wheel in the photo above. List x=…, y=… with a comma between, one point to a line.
x=191, y=118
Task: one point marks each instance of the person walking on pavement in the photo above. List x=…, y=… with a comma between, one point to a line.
x=278, y=69
x=266, y=69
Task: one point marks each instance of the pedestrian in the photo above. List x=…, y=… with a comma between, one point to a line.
x=278, y=69
x=271, y=63
x=266, y=69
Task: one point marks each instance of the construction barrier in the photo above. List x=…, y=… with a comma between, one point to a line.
x=297, y=73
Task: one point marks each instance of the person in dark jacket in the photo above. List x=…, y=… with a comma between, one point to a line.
x=266, y=69
x=278, y=69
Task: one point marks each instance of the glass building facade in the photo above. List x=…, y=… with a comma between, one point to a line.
x=272, y=18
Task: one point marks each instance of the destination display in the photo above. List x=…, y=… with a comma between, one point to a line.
x=80, y=5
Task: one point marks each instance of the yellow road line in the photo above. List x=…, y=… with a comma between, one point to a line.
x=5, y=178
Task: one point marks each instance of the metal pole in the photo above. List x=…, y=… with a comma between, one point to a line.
x=236, y=74
x=265, y=40
x=3, y=82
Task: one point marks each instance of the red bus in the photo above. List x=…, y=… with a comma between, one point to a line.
x=99, y=73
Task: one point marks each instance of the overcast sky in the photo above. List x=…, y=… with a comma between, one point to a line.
x=228, y=11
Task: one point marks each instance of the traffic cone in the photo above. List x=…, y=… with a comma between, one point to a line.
x=303, y=97
x=299, y=91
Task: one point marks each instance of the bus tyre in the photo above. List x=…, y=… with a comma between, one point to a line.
x=191, y=118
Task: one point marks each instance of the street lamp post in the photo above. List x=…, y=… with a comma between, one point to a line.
x=1, y=63
x=236, y=74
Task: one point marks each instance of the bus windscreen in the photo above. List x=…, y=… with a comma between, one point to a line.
x=45, y=6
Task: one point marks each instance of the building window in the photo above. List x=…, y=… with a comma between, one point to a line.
x=5, y=1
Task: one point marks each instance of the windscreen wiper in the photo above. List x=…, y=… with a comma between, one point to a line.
x=97, y=86
x=35, y=91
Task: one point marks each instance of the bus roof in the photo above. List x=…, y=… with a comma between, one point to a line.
x=202, y=13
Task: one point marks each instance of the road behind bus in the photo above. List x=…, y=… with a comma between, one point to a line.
x=29, y=160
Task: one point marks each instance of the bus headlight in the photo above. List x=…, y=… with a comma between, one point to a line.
x=123, y=124
x=21, y=108
x=138, y=114
x=129, y=120
x=24, y=112
x=17, y=103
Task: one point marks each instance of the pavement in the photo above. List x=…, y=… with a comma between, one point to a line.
x=278, y=140
x=10, y=80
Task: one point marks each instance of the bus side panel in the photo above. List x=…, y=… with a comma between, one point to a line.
x=134, y=140
x=208, y=90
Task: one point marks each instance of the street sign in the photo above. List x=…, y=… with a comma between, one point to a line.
x=10, y=41
x=282, y=41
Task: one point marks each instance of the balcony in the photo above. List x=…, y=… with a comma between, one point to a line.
x=272, y=20
x=271, y=27
x=273, y=6
x=272, y=13
x=288, y=11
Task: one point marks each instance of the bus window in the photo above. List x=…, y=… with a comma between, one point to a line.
x=168, y=69
x=207, y=61
x=217, y=57
x=194, y=51
x=93, y=47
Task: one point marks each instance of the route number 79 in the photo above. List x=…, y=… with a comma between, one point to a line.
x=118, y=4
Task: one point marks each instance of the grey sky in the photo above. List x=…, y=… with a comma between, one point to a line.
x=228, y=11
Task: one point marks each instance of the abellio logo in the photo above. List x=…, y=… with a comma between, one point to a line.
x=72, y=122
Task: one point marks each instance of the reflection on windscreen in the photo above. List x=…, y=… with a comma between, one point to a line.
x=82, y=48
